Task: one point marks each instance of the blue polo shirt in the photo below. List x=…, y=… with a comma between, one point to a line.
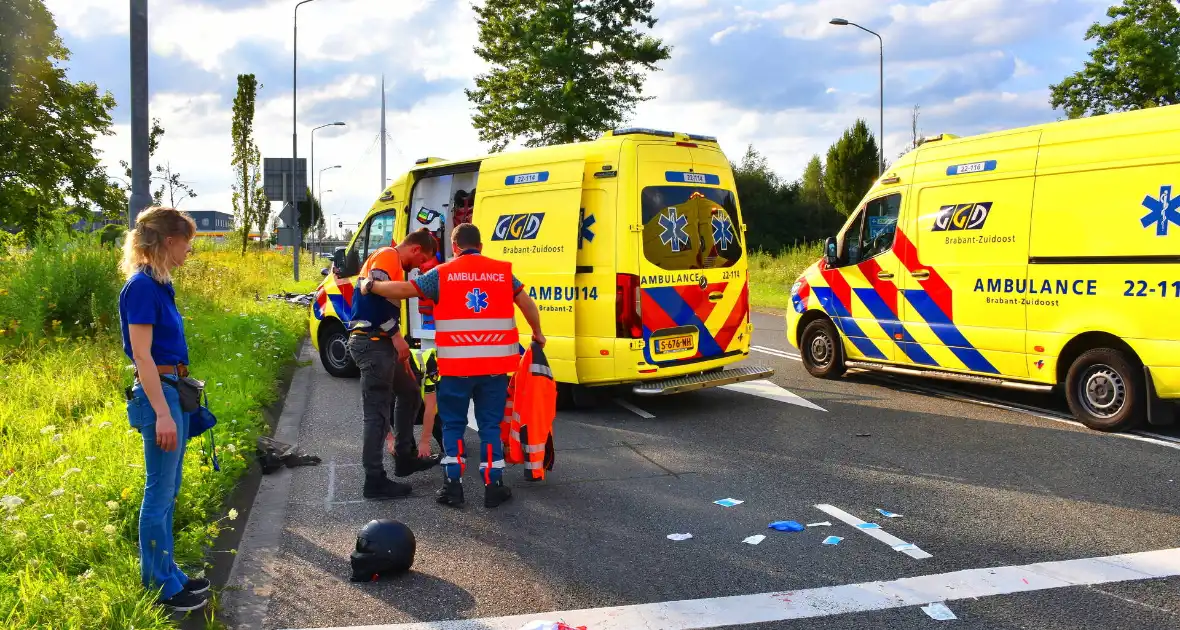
x=144, y=300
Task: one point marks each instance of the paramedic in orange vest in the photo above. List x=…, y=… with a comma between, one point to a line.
x=478, y=346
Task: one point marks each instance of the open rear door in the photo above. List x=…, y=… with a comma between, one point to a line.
x=529, y=215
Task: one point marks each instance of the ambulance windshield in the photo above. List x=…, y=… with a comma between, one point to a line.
x=686, y=227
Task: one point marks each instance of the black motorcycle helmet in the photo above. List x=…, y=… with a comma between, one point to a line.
x=383, y=547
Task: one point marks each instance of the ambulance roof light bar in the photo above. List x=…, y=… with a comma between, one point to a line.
x=643, y=131
x=941, y=136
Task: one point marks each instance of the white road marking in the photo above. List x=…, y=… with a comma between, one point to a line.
x=633, y=409
x=874, y=530
x=717, y=612
x=766, y=389
x=776, y=352
x=1044, y=414
x=330, y=497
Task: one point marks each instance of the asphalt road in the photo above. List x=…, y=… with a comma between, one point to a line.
x=977, y=486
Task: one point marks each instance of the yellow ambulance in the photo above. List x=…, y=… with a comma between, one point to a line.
x=1039, y=258
x=632, y=245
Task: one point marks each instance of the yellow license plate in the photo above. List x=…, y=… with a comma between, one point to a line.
x=672, y=345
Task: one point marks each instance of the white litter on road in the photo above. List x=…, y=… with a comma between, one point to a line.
x=875, y=531
x=679, y=537
x=754, y=540
x=715, y=612
x=887, y=513
x=939, y=611
x=763, y=388
x=820, y=524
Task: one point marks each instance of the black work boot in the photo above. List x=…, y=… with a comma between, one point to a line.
x=451, y=493
x=409, y=463
x=496, y=493
x=383, y=488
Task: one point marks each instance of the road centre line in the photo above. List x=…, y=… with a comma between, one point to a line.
x=1044, y=414
x=633, y=409
x=896, y=543
x=827, y=601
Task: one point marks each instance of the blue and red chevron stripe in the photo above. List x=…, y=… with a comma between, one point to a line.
x=933, y=303
x=341, y=301
x=689, y=305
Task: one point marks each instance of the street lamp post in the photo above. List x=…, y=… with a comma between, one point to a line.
x=319, y=186
x=881, y=128
x=140, y=174
x=312, y=170
x=294, y=127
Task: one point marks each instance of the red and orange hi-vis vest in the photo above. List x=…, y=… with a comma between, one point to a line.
x=527, y=429
x=475, y=318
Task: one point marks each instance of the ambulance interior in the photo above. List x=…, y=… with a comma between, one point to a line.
x=439, y=204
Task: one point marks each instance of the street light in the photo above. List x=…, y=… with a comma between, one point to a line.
x=881, y=129
x=294, y=123
x=335, y=124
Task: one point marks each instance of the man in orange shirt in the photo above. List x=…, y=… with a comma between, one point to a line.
x=380, y=352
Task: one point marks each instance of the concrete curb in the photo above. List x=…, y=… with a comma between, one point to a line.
x=248, y=591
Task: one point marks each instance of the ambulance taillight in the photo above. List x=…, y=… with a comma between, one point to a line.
x=628, y=322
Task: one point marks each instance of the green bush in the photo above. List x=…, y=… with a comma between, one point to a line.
x=71, y=469
x=771, y=276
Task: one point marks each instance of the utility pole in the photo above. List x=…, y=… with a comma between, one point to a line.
x=383, y=133
x=140, y=169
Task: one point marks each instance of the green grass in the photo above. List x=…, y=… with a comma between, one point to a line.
x=771, y=276
x=71, y=468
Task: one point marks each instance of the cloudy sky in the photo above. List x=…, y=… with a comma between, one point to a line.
x=766, y=72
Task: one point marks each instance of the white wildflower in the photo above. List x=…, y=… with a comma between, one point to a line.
x=58, y=492
x=47, y=516
x=48, y=429
x=57, y=437
x=233, y=514
x=87, y=575
x=11, y=502
x=81, y=525
x=70, y=472
x=90, y=458
x=239, y=354
x=112, y=505
x=104, y=425
x=61, y=459
x=19, y=536
x=231, y=447
x=109, y=530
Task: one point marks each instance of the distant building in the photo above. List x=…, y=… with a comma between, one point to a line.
x=95, y=223
x=212, y=222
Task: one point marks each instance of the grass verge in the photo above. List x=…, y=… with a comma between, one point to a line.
x=771, y=276
x=71, y=469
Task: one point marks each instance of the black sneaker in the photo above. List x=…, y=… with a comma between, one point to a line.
x=184, y=601
x=196, y=586
x=495, y=494
x=383, y=488
x=406, y=465
x=451, y=493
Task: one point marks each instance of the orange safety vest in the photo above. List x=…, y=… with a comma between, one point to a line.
x=475, y=318
x=527, y=428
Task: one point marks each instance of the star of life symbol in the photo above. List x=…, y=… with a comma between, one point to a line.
x=1164, y=210
x=477, y=300
x=674, y=235
x=722, y=231
x=585, y=233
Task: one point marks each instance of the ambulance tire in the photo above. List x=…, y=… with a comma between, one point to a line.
x=334, y=353
x=821, y=349
x=1106, y=390
x=572, y=397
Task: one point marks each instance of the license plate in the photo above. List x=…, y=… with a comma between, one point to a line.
x=671, y=345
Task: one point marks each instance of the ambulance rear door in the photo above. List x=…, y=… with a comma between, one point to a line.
x=528, y=213
x=694, y=302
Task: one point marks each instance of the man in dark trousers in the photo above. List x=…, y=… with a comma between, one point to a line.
x=387, y=387
x=478, y=347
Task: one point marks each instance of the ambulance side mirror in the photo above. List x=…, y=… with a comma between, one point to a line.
x=830, y=251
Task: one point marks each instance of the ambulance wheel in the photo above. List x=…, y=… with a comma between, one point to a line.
x=334, y=350
x=822, y=353
x=1106, y=390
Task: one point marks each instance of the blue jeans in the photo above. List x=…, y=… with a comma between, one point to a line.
x=157, y=564
x=490, y=394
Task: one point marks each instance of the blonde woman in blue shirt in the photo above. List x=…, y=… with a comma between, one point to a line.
x=153, y=337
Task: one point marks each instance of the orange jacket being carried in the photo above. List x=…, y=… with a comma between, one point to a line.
x=475, y=318
x=527, y=428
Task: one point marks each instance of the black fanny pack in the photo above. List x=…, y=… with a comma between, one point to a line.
x=190, y=390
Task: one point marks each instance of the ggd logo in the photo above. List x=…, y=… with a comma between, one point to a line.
x=963, y=216
x=518, y=227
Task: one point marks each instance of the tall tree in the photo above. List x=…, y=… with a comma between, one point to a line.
x=562, y=70
x=1135, y=62
x=261, y=212
x=244, y=158
x=50, y=173
x=811, y=188
x=851, y=167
